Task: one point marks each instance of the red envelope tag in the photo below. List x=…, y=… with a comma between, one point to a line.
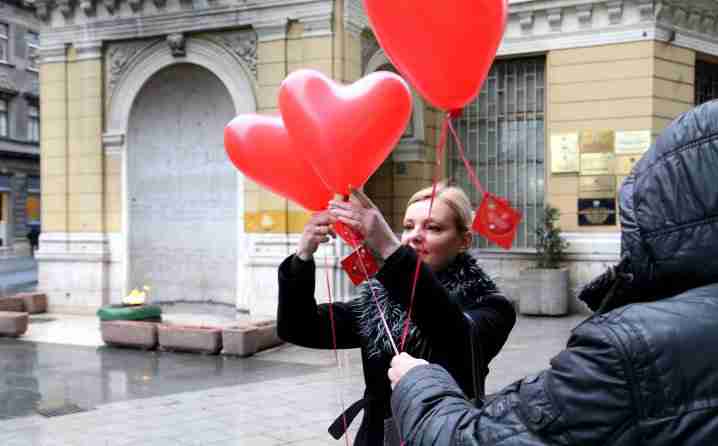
x=352, y=264
x=351, y=236
x=497, y=220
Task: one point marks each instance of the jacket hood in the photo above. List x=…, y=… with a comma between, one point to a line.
x=669, y=208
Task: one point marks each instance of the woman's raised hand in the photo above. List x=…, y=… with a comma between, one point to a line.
x=317, y=230
x=362, y=215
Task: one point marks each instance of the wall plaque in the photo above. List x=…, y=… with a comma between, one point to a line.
x=597, y=212
x=564, y=153
x=597, y=141
x=605, y=183
x=632, y=142
x=625, y=163
x=598, y=163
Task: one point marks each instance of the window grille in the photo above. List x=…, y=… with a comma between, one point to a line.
x=503, y=132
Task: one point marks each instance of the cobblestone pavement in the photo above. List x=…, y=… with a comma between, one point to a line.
x=285, y=396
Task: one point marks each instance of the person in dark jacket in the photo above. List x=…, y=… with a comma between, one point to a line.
x=449, y=277
x=642, y=370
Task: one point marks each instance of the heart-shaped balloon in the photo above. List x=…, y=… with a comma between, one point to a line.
x=344, y=132
x=427, y=41
x=259, y=146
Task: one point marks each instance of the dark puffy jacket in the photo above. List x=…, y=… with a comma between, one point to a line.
x=644, y=369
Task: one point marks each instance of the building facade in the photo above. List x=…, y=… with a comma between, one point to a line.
x=19, y=127
x=135, y=95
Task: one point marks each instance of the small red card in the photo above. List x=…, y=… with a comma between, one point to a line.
x=357, y=272
x=351, y=236
x=497, y=220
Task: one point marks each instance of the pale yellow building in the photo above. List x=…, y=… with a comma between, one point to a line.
x=134, y=95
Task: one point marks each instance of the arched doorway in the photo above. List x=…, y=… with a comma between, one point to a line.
x=182, y=191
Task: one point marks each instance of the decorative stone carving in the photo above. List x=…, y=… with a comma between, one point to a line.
x=526, y=20
x=694, y=19
x=41, y=9
x=241, y=43
x=554, y=17
x=645, y=10
x=65, y=7
x=135, y=5
x=88, y=7
x=176, y=42
x=679, y=16
x=6, y=84
x=661, y=11
x=110, y=5
x=118, y=56
x=585, y=15
x=708, y=24
x=159, y=3
x=615, y=11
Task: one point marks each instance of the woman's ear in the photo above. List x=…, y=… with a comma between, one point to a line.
x=466, y=240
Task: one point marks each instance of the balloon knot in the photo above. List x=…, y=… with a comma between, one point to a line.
x=453, y=114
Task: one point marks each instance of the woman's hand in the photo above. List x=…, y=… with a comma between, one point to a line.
x=316, y=231
x=362, y=215
x=400, y=365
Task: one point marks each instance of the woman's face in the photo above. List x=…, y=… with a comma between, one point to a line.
x=440, y=240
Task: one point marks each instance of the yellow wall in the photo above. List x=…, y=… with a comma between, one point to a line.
x=636, y=86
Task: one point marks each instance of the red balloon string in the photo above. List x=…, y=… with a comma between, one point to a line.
x=437, y=172
x=334, y=345
x=469, y=169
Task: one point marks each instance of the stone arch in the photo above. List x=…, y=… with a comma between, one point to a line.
x=218, y=60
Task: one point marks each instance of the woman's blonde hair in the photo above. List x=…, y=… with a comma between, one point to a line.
x=452, y=196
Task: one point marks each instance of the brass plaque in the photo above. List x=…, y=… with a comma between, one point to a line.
x=597, y=212
x=598, y=164
x=625, y=163
x=632, y=142
x=564, y=153
x=605, y=184
x=600, y=141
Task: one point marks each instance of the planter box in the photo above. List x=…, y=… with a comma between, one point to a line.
x=239, y=341
x=13, y=323
x=190, y=339
x=34, y=303
x=543, y=292
x=247, y=339
x=12, y=304
x=142, y=335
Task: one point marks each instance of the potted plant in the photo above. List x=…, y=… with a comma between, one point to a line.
x=543, y=290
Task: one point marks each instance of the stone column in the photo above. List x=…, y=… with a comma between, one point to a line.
x=74, y=250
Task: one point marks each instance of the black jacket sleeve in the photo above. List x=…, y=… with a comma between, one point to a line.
x=300, y=320
x=439, y=316
x=583, y=399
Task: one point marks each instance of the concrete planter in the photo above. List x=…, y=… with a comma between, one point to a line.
x=239, y=341
x=543, y=292
x=248, y=339
x=13, y=323
x=12, y=304
x=142, y=335
x=34, y=303
x=185, y=338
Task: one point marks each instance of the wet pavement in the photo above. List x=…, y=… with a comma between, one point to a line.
x=284, y=396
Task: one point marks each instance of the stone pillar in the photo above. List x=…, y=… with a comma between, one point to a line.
x=74, y=249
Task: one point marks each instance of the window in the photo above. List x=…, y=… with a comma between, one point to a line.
x=503, y=134
x=3, y=117
x=4, y=42
x=32, y=209
x=706, y=81
x=33, y=42
x=33, y=123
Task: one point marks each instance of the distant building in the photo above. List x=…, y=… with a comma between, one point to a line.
x=19, y=126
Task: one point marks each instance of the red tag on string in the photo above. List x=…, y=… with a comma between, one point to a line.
x=360, y=265
x=497, y=220
x=351, y=236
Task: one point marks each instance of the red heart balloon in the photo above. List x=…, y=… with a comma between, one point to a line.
x=259, y=146
x=344, y=132
x=427, y=42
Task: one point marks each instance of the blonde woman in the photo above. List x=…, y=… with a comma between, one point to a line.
x=450, y=283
